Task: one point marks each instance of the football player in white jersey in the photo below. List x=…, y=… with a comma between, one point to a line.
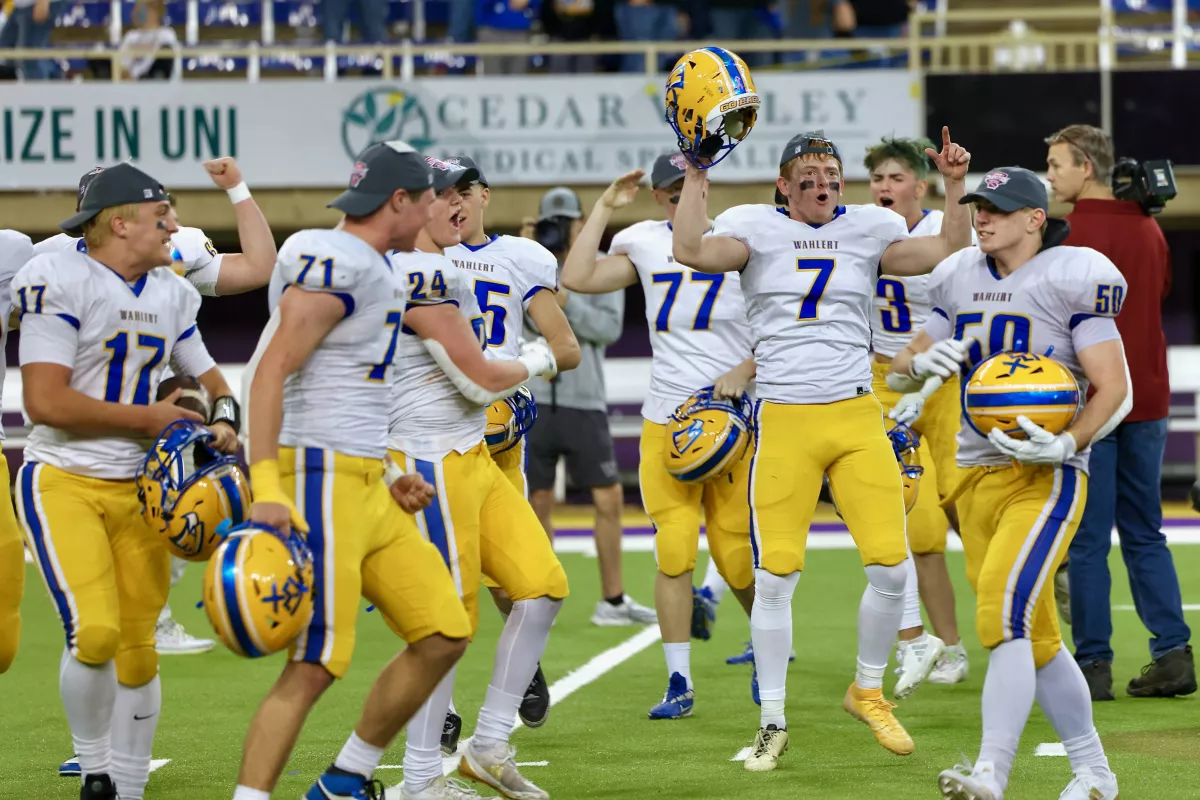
x=479, y=520
x=700, y=337
x=15, y=249
x=808, y=276
x=98, y=329
x=511, y=276
x=1020, y=500
x=899, y=169
x=319, y=387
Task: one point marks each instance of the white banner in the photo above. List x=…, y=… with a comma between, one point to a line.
x=583, y=129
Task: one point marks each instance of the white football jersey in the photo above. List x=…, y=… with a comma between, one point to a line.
x=809, y=297
x=429, y=416
x=192, y=254
x=902, y=302
x=698, y=328
x=115, y=336
x=1065, y=298
x=339, y=399
x=505, y=274
x=15, y=250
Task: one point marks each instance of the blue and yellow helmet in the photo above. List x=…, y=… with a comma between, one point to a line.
x=1009, y=384
x=711, y=104
x=707, y=437
x=907, y=446
x=186, y=506
x=258, y=589
x=508, y=419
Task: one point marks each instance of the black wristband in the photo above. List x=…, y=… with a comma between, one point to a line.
x=226, y=409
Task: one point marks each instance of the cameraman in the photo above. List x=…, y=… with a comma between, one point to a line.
x=1126, y=466
x=573, y=416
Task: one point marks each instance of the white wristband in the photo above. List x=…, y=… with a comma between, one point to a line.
x=238, y=193
x=391, y=472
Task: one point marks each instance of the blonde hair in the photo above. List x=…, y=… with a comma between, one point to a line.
x=1087, y=142
x=98, y=230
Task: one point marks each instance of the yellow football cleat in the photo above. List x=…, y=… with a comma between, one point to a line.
x=769, y=745
x=869, y=706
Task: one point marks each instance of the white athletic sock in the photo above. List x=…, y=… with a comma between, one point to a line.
x=521, y=645
x=423, y=749
x=713, y=581
x=1063, y=694
x=679, y=659
x=771, y=634
x=135, y=719
x=89, y=694
x=878, y=622
x=164, y=615
x=246, y=793
x=912, y=597
x=359, y=757
x=1008, y=692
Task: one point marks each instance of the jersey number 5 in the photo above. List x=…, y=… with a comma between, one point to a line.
x=495, y=325
x=823, y=267
x=118, y=345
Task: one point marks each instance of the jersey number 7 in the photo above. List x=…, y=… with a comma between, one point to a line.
x=823, y=267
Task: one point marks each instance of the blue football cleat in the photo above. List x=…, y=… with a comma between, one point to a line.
x=677, y=702
x=747, y=656
x=754, y=687
x=704, y=613
x=338, y=784
x=70, y=768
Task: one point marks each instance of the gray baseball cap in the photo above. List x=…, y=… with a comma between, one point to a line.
x=560, y=202
x=121, y=185
x=806, y=143
x=378, y=173
x=1010, y=189
x=448, y=173
x=468, y=163
x=84, y=182
x=668, y=169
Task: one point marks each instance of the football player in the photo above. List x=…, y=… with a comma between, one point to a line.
x=510, y=276
x=98, y=328
x=319, y=390
x=899, y=170
x=808, y=276
x=15, y=249
x=479, y=521
x=1020, y=290
x=700, y=338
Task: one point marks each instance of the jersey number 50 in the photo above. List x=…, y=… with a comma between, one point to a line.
x=1005, y=332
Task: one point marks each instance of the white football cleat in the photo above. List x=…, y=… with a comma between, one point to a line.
x=441, y=789
x=971, y=783
x=951, y=667
x=917, y=659
x=630, y=612
x=496, y=766
x=1087, y=785
x=769, y=744
x=171, y=639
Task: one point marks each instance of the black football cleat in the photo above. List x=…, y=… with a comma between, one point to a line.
x=98, y=787
x=535, y=708
x=451, y=730
x=1171, y=675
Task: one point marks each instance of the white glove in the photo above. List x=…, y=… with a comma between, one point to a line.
x=943, y=359
x=1042, y=447
x=538, y=358
x=908, y=408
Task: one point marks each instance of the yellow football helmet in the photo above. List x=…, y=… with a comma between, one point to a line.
x=258, y=590
x=190, y=510
x=707, y=437
x=508, y=419
x=1008, y=384
x=711, y=104
x=907, y=446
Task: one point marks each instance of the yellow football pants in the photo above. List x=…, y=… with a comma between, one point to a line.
x=1017, y=523
x=674, y=508
x=363, y=545
x=12, y=577
x=512, y=463
x=796, y=446
x=106, y=571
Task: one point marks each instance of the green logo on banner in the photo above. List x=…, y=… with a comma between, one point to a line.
x=382, y=115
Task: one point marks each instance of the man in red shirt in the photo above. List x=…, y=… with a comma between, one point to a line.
x=1126, y=466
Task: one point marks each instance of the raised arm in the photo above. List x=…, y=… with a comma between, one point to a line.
x=689, y=245
x=251, y=268
x=582, y=271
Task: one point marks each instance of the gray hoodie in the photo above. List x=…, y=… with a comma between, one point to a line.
x=597, y=320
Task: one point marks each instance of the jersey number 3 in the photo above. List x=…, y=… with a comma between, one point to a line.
x=896, y=316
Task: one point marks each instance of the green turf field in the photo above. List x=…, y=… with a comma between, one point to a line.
x=598, y=742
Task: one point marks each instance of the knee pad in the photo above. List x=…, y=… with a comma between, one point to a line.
x=137, y=666
x=97, y=644
x=771, y=590
x=888, y=582
x=673, y=554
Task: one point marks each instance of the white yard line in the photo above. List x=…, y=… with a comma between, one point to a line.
x=158, y=763
x=1050, y=749
x=1186, y=607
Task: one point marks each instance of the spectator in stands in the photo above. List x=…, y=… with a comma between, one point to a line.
x=645, y=21
x=462, y=21
x=505, y=22
x=746, y=19
x=1126, y=466
x=372, y=19
x=28, y=26
x=572, y=418
x=142, y=42
x=576, y=21
x=871, y=19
